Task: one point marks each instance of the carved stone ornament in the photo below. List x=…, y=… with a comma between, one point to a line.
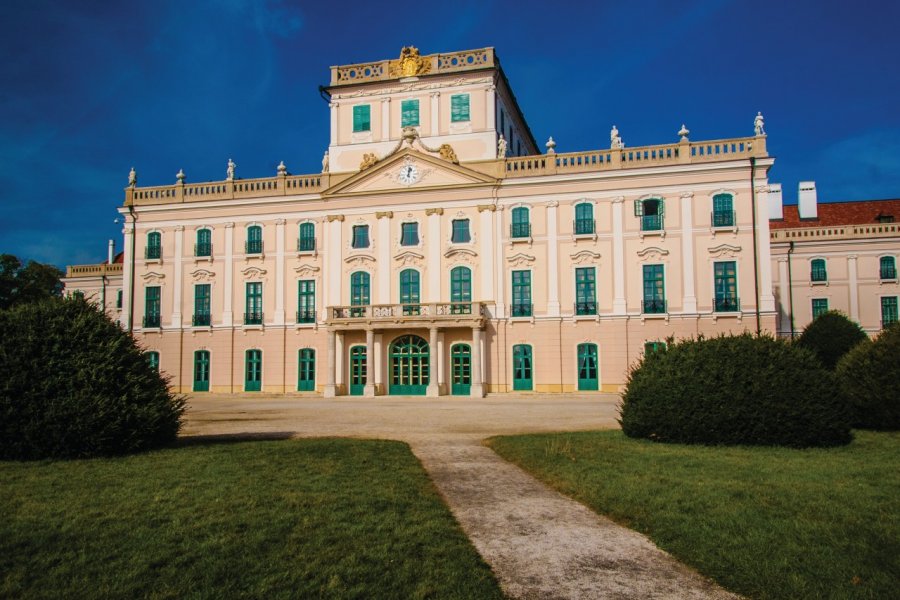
x=368, y=160
x=253, y=272
x=552, y=203
x=384, y=214
x=358, y=260
x=331, y=218
x=433, y=211
x=409, y=64
x=413, y=87
x=465, y=254
x=652, y=253
x=409, y=258
x=618, y=199
x=447, y=153
x=585, y=257
x=724, y=251
x=153, y=277
x=520, y=259
x=202, y=275
x=484, y=207
x=306, y=270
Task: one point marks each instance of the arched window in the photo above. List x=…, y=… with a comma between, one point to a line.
x=154, y=245
x=254, y=240
x=203, y=247
x=651, y=212
x=520, y=227
x=584, y=218
x=409, y=291
x=461, y=291
x=359, y=292
x=817, y=270
x=306, y=241
x=888, y=267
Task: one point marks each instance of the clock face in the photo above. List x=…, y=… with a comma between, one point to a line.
x=409, y=174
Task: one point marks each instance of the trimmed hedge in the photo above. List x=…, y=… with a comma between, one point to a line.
x=869, y=376
x=734, y=390
x=73, y=385
x=830, y=336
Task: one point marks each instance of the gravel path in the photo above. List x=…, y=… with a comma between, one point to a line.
x=539, y=543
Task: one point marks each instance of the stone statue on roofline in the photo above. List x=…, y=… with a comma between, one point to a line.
x=501, y=147
x=615, y=140
x=132, y=177
x=758, y=124
x=325, y=162
x=229, y=172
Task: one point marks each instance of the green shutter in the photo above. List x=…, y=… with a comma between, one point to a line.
x=521, y=293
x=201, y=304
x=819, y=306
x=358, y=370
x=201, y=371
x=522, y=379
x=306, y=301
x=362, y=119
x=585, y=291
x=588, y=378
x=461, y=370
x=459, y=108
x=409, y=113
x=253, y=371
x=654, y=289
x=306, y=370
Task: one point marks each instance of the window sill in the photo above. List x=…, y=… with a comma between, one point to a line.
x=813, y=283
x=312, y=325
x=361, y=137
x=150, y=261
x=246, y=326
x=653, y=233
x=585, y=236
x=521, y=240
x=884, y=281
x=723, y=229
x=312, y=253
x=259, y=255
x=734, y=314
x=664, y=316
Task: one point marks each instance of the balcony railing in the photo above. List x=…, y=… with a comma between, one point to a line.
x=306, y=244
x=253, y=318
x=201, y=320
x=583, y=226
x=520, y=230
x=888, y=273
x=653, y=306
x=521, y=309
x=726, y=304
x=306, y=315
x=151, y=252
x=374, y=312
x=722, y=218
x=203, y=249
x=253, y=246
x=585, y=308
x=651, y=223
x=152, y=320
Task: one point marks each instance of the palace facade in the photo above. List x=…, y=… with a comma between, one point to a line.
x=441, y=252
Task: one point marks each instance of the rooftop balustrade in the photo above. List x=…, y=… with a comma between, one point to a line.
x=407, y=314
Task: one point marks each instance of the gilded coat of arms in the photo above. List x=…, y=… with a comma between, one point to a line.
x=410, y=63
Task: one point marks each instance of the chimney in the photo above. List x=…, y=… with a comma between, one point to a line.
x=112, y=251
x=775, y=210
x=806, y=197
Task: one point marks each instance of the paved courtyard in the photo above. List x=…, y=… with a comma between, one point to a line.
x=539, y=543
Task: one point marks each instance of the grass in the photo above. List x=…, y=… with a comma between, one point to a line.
x=267, y=519
x=763, y=522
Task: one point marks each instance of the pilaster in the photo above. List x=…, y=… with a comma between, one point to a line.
x=689, y=299
x=332, y=274
x=383, y=257
x=433, y=255
x=476, y=389
x=552, y=259
x=433, y=389
x=766, y=298
x=783, y=291
x=227, y=310
x=330, y=388
x=619, y=304
x=333, y=107
x=369, y=389
x=854, y=286
x=279, y=272
x=127, y=275
x=435, y=108
x=385, y=119
x=177, y=294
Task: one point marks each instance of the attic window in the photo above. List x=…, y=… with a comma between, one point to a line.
x=883, y=218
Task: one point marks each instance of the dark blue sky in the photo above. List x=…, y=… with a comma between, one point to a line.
x=91, y=88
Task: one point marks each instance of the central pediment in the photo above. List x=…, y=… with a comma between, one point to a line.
x=409, y=170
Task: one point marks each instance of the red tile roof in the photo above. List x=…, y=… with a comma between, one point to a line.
x=840, y=213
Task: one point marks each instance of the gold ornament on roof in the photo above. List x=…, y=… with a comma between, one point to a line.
x=410, y=63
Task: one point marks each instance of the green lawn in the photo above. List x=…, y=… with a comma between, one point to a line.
x=265, y=519
x=763, y=522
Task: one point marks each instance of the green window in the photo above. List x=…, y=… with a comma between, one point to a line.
x=522, y=367
x=888, y=267
x=410, y=362
x=357, y=370
x=362, y=118
x=254, y=312
x=254, y=243
x=723, y=211
x=461, y=231
x=461, y=291
x=306, y=370
x=461, y=370
x=152, y=359
x=654, y=347
x=119, y=299
x=409, y=234
x=521, y=293
x=253, y=371
x=203, y=247
x=409, y=291
x=654, y=290
x=201, y=371
x=154, y=245
x=520, y=227
x=360, y=236
x=888, y=310
x=651, y=212
x=409, y=113
x=584, y=219
x=725, y=285
x=819, y=306
x=306, y=241
x=152, y=306
x=817, y=270
x=201, y=305
x=306, y=301
x=459, y=108
x=359, y=292
x=588, y=377
x=585, y=291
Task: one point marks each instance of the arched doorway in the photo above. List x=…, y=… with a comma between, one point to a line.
x=410, y=361
x=522, y=367
x=461, y=370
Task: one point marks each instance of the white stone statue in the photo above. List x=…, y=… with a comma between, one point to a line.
x=132, y=177
x=180, y=175
x=758, y=124
x=229, y=173
x=551, y=146
x=325, y=162
x=684, y=132
x=282, y=168
x=615, y=140
x=501, y=147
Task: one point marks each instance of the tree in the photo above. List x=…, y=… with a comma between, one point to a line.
x=29, y=283
x=830, y=336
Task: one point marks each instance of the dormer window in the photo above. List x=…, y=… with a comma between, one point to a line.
x=883, y=218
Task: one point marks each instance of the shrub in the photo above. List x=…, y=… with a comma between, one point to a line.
x=830, y=336
x=869, y=376
x=734, y=390
x=73, y=384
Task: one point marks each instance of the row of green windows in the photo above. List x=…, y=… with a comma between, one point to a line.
x=887, y=269
x=409, y=113
x=306, y=241
x=888, y=309
x=409, y=234
x=306, y=369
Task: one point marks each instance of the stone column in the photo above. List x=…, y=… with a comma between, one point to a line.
x=127, y=275
x=330, y=388
x=490, y=104
x=441, y=371
x=487, y=264
x=378, y=364
x=433, y=390
x=369, y=389
x=783, y=291
x=477, y=387
x=334, y=122
x=340, y=353
x=766, y=298
x=433, y=255
x=177, y=295
x=333, y=260
x=279, y=272
x=385, y=119
x=689, y=299
x=435, y=112
x=383, y=258
x=619, y=304
x=227, y=310
x=552, y=259
x=854, y=287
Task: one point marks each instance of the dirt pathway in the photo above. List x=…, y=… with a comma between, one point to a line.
x=539, y=543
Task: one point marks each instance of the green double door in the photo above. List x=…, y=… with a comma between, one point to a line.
x=410, y=360
x=306, y=370
x=588, y=378
x=522, y=368
x=253, y=371
x=461, y=370
x=358, y=370
x=201, y=371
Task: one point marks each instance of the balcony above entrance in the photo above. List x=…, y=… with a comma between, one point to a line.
x=444, y=314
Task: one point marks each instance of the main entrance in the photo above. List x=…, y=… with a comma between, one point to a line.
x=409, y=366
x=461, y=370
x=357, y=370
